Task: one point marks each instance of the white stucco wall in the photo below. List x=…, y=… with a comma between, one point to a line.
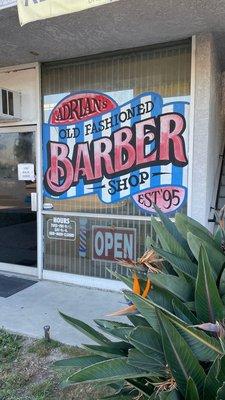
x=207, y=127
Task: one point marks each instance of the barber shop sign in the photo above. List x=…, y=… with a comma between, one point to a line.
x=137, y=150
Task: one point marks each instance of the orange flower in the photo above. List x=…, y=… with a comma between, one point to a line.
x=131, y=309
x=136, y=284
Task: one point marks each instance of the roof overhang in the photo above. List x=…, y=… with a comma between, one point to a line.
x=120, y=25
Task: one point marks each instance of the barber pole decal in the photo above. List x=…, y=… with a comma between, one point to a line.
x=138, y=150
x=83, y=237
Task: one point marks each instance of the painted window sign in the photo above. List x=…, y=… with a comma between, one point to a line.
x=137, y=150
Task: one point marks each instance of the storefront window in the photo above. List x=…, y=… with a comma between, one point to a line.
x=89, y=246
x=116, y=92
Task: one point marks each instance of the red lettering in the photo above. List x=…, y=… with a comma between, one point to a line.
x=60, y=168
x=83, y=163
x=172, y=146
x=145, y=135
x=124, y=152
x=73, y=106
x=101, y=150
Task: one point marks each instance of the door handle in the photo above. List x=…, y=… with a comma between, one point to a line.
x=33, y=201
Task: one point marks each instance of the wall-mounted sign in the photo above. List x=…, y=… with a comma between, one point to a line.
x=33, y=10
x=110, y=244
x=60, y=227
x=7, y=3
x=26, y=172
x=135, y=150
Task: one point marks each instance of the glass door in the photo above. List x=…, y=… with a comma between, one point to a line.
x=18, y=225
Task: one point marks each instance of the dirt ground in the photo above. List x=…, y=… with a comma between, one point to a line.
x=27, y=372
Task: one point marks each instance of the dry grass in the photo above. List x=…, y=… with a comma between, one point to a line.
x=27, y=373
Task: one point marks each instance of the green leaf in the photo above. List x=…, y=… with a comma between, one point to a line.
x=79, y=362
x=191, y=391
x=86, y=329
x=206, y=348
x=211, y=384
x=222, y=282
x=221, y=393
x=147, y=341
x=183, y=313
x=122, y=391
x=168, y=242
x=190, y=280
x=209, y=307
x=119, y=397
x=149, y=242
x=107, y=324
x=167, y=268
x=172, y=229
x=191, y=222
x=216, y=258
x=108, y=371
x=116, y=349
x=218, y=236
x=147, y=309
x=150, y=364
x=190, y=305
x=221, y=374
x=182, y=264
x=141, y=387
x=182, y=362
x=114, y=328
x=170, y=395
x=162, y=297
x=174, y=284
x=186, y=225
x=137, y=320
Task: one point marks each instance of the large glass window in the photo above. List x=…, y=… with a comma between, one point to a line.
x=122, y=77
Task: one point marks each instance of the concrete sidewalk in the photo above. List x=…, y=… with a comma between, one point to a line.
x=28, y=311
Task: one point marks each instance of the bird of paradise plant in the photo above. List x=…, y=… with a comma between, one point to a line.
x=149, y=262
x=173, y=346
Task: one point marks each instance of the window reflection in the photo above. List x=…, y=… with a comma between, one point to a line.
x=15, y=148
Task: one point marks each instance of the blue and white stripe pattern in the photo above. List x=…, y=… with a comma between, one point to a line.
x=160, y=175
x=83, y=237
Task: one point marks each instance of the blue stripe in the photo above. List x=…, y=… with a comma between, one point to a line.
x=134, y=120
x=97, y=135
x=116, y=196
x=45, y=140
x=155, y=180
x=177, y=172
x=62, y=140
x=80, y=139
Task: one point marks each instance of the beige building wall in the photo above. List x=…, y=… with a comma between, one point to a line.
x=208, y=132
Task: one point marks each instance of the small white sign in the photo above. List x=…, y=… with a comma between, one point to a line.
x=62, y=228
x=26, y=172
